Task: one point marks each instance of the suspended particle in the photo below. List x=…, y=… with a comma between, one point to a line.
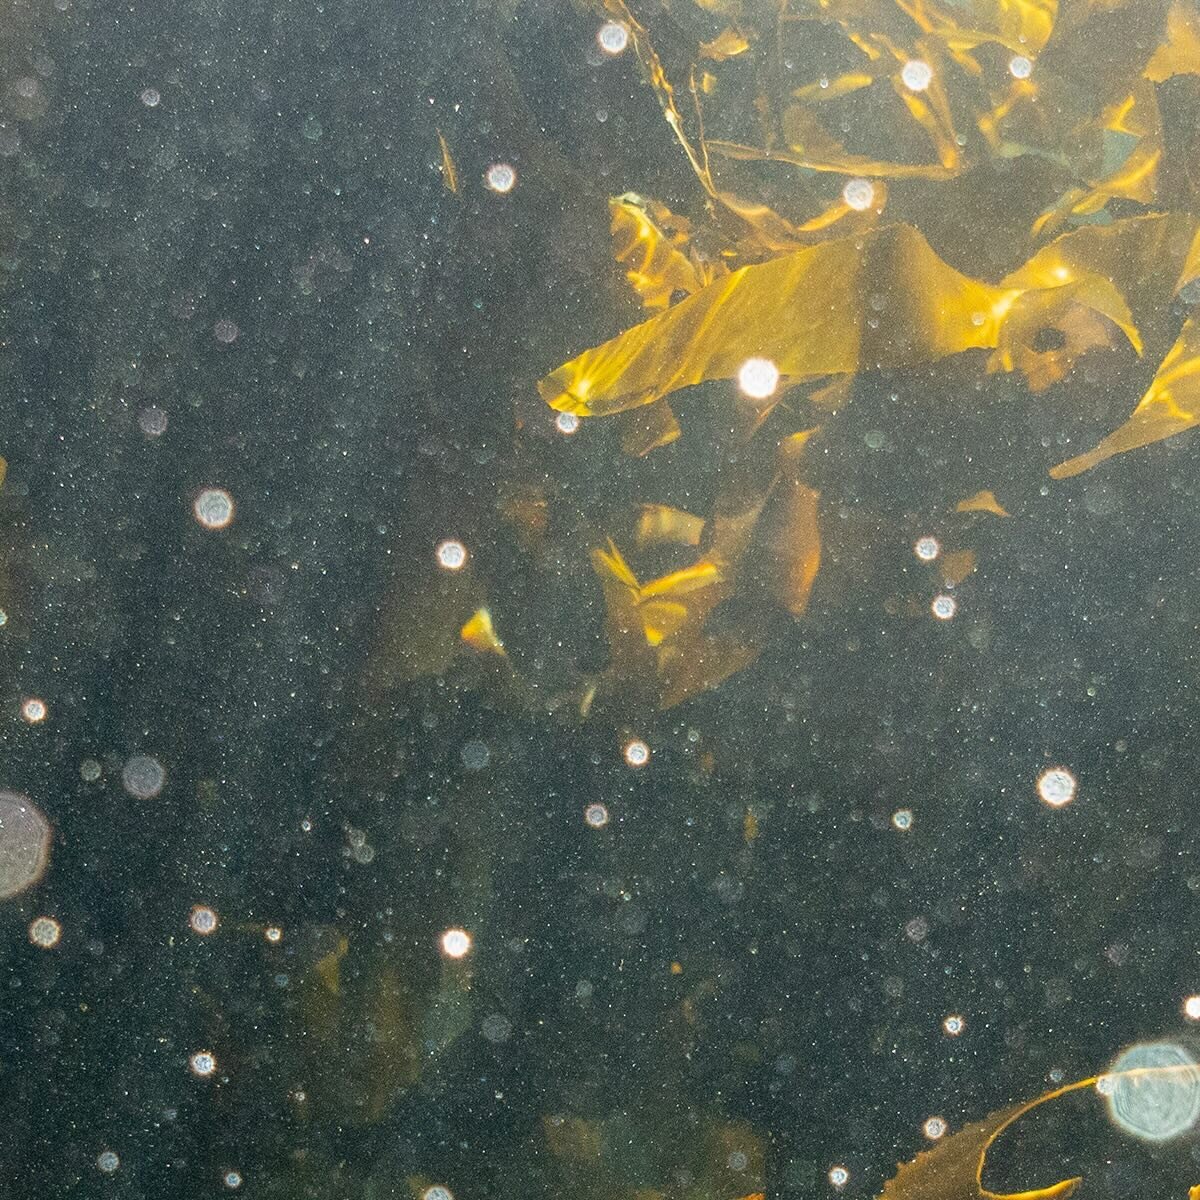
x=225, y=331
x=150, y=97
x=202, y=1064
x=637, y=753
x=34, y=710
x=108, y=1161
x=859, y=194
x=934, y=1128
x=927, y=548
x=496, y=1028
x=90, y=770
x=902, y=819
x=566, y=423
x=758, y=378
x=456, y=943
x=24, y=844
x=1191, y=1008
x=1019, y=67
x=203, y=920
x=596, y=815
x=500, y=177
x=917, y=930
x=143, y=777
x=153, y=421
x=944, y=607
x=1056, y=786
x=213, y=508
x=45, y=932
x=1153, y=1091
x=475, y=755
x=738, y=1160
x=451, y=555
x=953, y=1025
x=437, y=1192
x=916, y=75
x=839, y=1176
x=273, y=934
x=232, y=1180
x=612, y=37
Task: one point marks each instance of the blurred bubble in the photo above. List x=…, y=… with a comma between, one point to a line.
x=637, y=753
x=456, y=943
x=90, y=770
x=1161, y=1103
x=150, y=97
x=475, y=755
x=596, y=815
x=214, y=508
x=613, y=37
x=758, y=378
x=839, y=1176
x=45, y=932
x=143, y=777
x=497, y=1027
x=153, y=421
x=1056, y=786
x=927, y=548
x=859, y=194
x=34, y=710
x=953, y=1025
x=1019, y=67
x=225, y=331
x=203, y=920
x=108, y=1161
x=916, y=75
x=944, y=607
x=500, y=177
x=452, y=555
x=566, y=423
x=202, y=1064
x=934, y=1128
x=24, y=844
x=232, y=1180
x=902, y=819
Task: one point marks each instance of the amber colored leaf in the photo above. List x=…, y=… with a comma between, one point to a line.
x=648, y=429
x=655, y=259
x=1171, y=405
x=725, y=45
x=790, y=532
x=956, y=566
x=807, y=311
x=480, y=634
x=984, y=501
x=1180, y=53
x=660, y=524
x=449, y=170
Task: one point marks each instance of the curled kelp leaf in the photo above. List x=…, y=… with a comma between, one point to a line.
x=881, y=300
x=653, y=246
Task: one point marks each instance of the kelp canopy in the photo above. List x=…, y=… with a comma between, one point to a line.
x=849, y=154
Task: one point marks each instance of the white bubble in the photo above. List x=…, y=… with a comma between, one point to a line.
x=500, y=177
x=151, y=97
x=637, y=753
x=934, y=1128
x=452, y=555
x=1161, y=1098
x=927, y=548
x=24, y=843
x=859, y=194
x=1056, y=786
x=566, y=423
x=839, y=1176
x=456, y=943
x=902, y=819
x=143, y=777
x=1019, y=67
x=944, y=607
x=613, y=37
x=214, y=508
x=108, y=1161
x=758, y=378
x=916, y=75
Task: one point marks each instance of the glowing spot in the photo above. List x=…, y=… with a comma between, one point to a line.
x=859, y=194
x=226, y=332
x=150, y=97
x=24, y=844
x=232, y=1180
x=944, y=607
x=839, y=1176
x=758, y=378
x=143, y=777
x=934, y=1128
x=203, y=920
x=214, y=508
x=202, y=1064
x=456, y=943
x=500, y=177
x=917, y=75
x=1056, y=786
x=902, y=819
x=927, y=548
x=1191, y=1008
x=566, y=423
x=1158, y=1104
x=45, y=932
x=437, y=1192
x=613, y=37
x=34, y=710
x=108, y=1161
x=637, y=753
x=153, y=421
x=917, y=930
x=953, y=1025
x=273, y=934
x=596, y=815
x=1019, y=67
x=452, y=555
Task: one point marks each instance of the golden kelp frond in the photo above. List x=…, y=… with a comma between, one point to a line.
x=654, y=255
x=956, y=566
x=1171, y=405
x=984, y=501
x=789, y=531
x=810, y=312
x=728, y=44
x=449, y=170
x=480, y=634
x=660, y=524
x=1022, y=26
x=648, y=428
x=1180, y=53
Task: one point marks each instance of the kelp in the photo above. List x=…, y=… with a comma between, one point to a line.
x=931, y=181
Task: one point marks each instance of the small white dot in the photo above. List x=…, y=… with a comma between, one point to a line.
x=916, y=75
x=758, y=378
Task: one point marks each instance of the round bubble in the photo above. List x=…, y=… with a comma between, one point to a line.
x=1154, y=1091
x=143, y=777
x=24, y=843
x=475, y=755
